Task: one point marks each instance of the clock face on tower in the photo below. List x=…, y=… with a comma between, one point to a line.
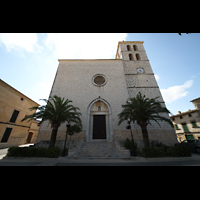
x=140, y=70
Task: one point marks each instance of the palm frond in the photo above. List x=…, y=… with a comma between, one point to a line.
x=57, y=110
x=143, y=109
x=164, y=119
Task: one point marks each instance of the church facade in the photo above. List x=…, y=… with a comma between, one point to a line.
x=99, y=87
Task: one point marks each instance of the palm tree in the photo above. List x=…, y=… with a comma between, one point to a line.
x=142, y=110
x=56, y=111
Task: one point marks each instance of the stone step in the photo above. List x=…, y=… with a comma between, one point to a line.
x=99, y=150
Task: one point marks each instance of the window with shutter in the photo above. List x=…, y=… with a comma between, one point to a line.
x=14, y=116
x=184, y=125
x=189, y=136
x=194, y=125
x=176, y=126
x=6, y=135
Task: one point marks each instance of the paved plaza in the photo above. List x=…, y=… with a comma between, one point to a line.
x=194, y=160
x=133, y=161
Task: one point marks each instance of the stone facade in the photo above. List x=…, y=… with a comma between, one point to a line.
x=122, y=78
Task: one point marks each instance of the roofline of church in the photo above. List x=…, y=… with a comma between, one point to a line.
x=103, y=59
x=195, y=99
x=127, y=42
x=86, y=59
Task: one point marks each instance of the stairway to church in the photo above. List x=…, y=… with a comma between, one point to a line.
x=99, y=149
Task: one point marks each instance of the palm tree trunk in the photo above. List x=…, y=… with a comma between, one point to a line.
x=145, y=136
x=53, y=137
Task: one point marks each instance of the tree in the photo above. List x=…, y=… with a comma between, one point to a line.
x=142, y=110
x=181, y=35
x=56, y=111
x=71, y=130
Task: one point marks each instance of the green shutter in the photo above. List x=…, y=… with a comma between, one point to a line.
x=176, y=126
x=189, y=136
x=185, y=127
x=194, y=125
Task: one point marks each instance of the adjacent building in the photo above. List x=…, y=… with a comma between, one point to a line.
x=14, y=106
x=187, y=124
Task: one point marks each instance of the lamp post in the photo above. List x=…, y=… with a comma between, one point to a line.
x=68, y=125
x=133, y=153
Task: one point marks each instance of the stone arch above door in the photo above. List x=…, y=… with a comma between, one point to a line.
x=99, y=106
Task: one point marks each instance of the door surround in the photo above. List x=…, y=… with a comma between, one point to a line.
x=93, y=109
x=29, y=138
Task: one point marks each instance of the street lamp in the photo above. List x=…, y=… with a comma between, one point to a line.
x=133, y=153
x=68, y=125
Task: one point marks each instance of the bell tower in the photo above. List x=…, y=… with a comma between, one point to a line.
x=137, y=70
x=133, y=50
x=139, y=77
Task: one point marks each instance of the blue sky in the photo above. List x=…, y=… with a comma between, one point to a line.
x=28, y=62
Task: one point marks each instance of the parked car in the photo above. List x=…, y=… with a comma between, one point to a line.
x=193, y=144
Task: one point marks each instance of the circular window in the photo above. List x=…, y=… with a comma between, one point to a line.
x=99, y=80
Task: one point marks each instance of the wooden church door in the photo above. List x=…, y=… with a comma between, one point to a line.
x=99, y=127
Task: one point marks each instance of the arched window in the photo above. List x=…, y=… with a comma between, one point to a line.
x=135, y=48
x=130, y=56
x=137, y=55
x=128, y=47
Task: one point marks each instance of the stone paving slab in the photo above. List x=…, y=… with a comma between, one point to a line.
x=133, y=161
x=19, y=163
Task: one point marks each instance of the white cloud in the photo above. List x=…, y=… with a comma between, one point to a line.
x=41, y=91
x=25, y=41
x=176, y=92
x=156, y=77
x=194, y=76
x=84, y=45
